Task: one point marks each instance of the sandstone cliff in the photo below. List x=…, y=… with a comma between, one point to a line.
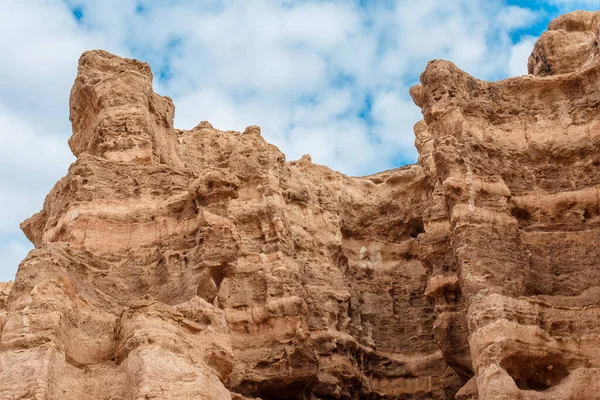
x=199, y=264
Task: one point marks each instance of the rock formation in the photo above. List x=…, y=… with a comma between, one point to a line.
x=199, y=264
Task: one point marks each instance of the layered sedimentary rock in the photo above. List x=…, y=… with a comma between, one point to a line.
x=199, y=264
x=516, y=163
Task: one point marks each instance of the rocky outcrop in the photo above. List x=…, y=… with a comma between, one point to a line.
x=201, y=265
x=516, y=163
x=570, y=44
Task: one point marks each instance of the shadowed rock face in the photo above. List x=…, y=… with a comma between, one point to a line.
x=200, y=264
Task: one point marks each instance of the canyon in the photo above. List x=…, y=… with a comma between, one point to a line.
x=200, y=264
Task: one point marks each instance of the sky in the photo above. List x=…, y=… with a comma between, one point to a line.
x=328, y=78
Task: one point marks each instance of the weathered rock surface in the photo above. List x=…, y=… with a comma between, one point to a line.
x=200, y=264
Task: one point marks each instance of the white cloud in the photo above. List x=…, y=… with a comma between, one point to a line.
x=21, y=140
x=31, y=161
x=13, y=252
x=395, y=118
x=574, y=2
x=513, y=17
x=329, y=78
x=41, y=44
x=519, y=54
x=572, y=5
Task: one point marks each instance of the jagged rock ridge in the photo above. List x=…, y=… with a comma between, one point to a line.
x=201, y=265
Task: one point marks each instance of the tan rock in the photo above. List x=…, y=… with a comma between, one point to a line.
x=199, y=264
x=570, y=44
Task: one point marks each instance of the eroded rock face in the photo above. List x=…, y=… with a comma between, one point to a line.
x=201, y=265
x=569, y=45
x=516, y=163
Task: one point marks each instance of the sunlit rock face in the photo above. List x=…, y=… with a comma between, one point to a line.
x=199, y=264
x=516, y=165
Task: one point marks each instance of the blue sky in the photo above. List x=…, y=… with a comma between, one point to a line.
x=329, y=77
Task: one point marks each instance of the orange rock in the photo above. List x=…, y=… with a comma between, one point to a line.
x=201, y=265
